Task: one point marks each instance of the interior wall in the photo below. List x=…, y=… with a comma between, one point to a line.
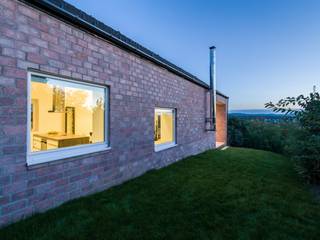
x=166, y=128
x=47, y=121
x=98, y=125
x=83, y=112
x=221, y=124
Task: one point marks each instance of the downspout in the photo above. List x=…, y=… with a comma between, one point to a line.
x=213, y=87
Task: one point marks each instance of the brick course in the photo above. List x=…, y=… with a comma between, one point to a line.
x=30, y=38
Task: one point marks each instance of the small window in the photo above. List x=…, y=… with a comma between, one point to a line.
x=64, y=115
x=164, y=128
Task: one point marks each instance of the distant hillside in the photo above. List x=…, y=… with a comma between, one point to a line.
x=254, y=111
x=261, y=115
x=265, y=115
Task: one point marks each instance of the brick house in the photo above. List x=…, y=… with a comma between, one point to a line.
x=84, y=108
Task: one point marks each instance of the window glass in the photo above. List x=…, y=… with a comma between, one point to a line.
x=164, y=126
x=65, y=114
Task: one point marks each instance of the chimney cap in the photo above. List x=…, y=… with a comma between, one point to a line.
x=212, y=47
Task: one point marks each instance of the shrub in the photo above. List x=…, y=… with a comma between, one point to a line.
x=304, y=147
x=258, y=134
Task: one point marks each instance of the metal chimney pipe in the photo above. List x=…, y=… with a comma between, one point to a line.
x=213, y=85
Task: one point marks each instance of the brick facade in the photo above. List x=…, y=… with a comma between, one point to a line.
x=30, y=38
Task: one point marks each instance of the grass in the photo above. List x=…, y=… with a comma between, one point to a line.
x=232, y=194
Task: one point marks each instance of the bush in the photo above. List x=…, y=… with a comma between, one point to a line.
x=258, y=134
x=304, y=147
x=305, y=151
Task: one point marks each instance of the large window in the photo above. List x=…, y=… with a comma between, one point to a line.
x=65, y=115
x=164, y=128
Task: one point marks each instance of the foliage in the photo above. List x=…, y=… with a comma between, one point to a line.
x=253, y=133
x=305, y=146
x=308, y=112
x=231, y=194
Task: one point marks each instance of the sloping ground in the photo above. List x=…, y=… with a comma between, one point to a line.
x=231, y=194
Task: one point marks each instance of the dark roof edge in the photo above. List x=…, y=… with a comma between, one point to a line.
x=221, y=94
x=71, y=14
x=75, y=16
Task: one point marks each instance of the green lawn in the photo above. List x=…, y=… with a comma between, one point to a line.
x=232, y=194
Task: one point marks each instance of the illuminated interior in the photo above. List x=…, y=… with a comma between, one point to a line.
x=164, y=126
x=65, y=114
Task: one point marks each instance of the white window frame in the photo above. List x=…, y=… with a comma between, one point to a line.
x=164, y=146
x=34, y=158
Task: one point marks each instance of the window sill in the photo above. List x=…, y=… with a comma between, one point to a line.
x=63, y=153
x=164, y=147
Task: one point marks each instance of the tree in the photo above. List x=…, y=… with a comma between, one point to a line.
x=305, y=148
x=305, y=108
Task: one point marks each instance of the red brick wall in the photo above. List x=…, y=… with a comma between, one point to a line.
x=30, y=38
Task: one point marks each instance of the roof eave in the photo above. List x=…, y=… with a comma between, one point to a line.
x=222, y=95
x=70, y=18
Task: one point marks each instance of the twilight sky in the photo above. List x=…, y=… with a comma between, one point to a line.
x=265, y=49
